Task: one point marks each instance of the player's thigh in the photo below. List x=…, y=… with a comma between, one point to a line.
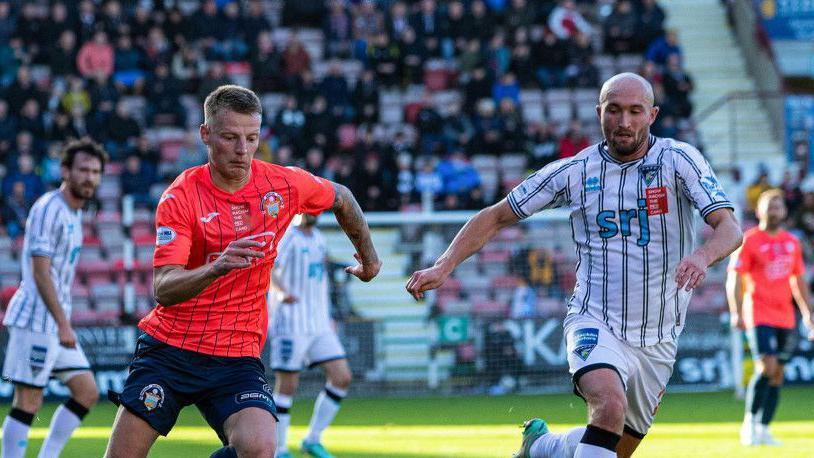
x=286, y=382
x=132, y=437
x=251, y=432
x=595, y=359
x=646, y=386
x=83, y=387
x=30, y=357
x=289, y=352
x=236, y=384
x=338, y=373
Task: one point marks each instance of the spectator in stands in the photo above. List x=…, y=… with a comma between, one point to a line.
x=520, y=14
x=427, y=179
x=506, y=87
x=113, y=20
x=366, y=98
x=31, y=120
x=129, y=65
x=136, y=179
x=8, y=128
x=453, y=30
x=541, y=145
x=338, y=31
x=215, y=77
x=488, y=129
x=76, y=98
x=620, y=28
x=296, y=60
x=481, y=24
x=62, y=129
x=51, y=166
x=458, y=176
x=122, y=131
x=384, y=56
x=334, y=88
x=188, y=67
x=469, y=59
x=662, y=47
x=678, y=86
x=157, y=48
x=25, y=174
x=651, y=24
x=204, y=25
x=266, y=65
x=497, y=55
x=192, y=153
x=103, y=98
x=429, y=124
x=95, y=56
x=405, y=179
x=566, y=22
x=8, y=22
x=306, y=89
x=315, y=163
x=756, y=188
x=15, y=209
x=397, y=20
x=427, y=25
x=176, y=28
x=22, y=89
x=62, y=58
x=255, y=22
x=413, y=53
x=320, y=124
x=368, y=21
x=512, y=122
x=374, y=189
x=458, y=130
x=289, y=123
x=30, y=26
x=552, y=55
x=141, y=23
x=522, y=60
x=573, y=141
x=804, y=221
x=146, y=151
x=11, y=58
x=231, y=44
x=163, y=94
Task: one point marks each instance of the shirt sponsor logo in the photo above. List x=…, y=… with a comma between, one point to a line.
x=209, y=217
x=152, y=396
x=249, y=396
x=271, y=204
x=713, y=187
x=584, y=342
x=164, y=235
x=592, y=185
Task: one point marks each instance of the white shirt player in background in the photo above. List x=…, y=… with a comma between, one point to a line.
x=630, y=198
x=301, y=334
x=42, y=343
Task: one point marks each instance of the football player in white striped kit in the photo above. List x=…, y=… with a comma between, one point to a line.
x=631, y=198
x=42, y=343
x=301, y=334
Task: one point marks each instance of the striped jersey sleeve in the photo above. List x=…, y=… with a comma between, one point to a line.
x=44, y=227
x=546, y=188
x=698, y=182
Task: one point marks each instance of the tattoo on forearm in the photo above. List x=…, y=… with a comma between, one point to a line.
x=352, y=220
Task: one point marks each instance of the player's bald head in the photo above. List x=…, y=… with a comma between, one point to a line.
x=627, y=83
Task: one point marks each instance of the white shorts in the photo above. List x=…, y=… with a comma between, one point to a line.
x=644, y=371
x=294, y=353
x=34, y=357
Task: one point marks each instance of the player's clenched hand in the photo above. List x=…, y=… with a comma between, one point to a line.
x=67, y=338
x=691, y=271
x=364, y=271
x=425, y=280
x=736, y=321
x=237, y=255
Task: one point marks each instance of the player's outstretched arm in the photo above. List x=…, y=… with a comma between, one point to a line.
x=173, y=284
x=469, y=240
x=726, y=237
x=352, y=220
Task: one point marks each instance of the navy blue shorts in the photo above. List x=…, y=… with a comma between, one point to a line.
x=769, y=340
x=164, y=379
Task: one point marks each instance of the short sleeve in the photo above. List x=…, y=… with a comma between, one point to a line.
x=546, y=188
x=315, y=194
x=741, y=259
x=173, y=239
x=799, y=267
x=42, y=228
x=698, y=181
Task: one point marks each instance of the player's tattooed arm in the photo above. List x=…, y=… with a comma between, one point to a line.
x=352, y=220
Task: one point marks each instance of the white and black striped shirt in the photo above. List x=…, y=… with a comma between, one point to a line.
x=300, y=264
x=53, y=230
x=632, y=222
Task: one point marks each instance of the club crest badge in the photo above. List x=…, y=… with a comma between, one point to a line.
x=649, y=173
x=152, y=396
x=584, y=342
x=271, y=204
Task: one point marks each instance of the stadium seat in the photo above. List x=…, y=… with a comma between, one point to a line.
x=490, y=308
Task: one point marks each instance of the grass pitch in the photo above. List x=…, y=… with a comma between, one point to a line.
x=687, y=425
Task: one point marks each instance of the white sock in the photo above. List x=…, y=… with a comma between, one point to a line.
x=592, y=451
x=557, y=445
x=283, y=403
x=62, y=426
x=15, y=438
x=325, y=410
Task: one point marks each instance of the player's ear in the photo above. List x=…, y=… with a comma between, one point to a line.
x=204, y=131
x=654, y=111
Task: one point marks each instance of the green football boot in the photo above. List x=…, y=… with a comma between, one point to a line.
x=315, y=449
x=532, y=430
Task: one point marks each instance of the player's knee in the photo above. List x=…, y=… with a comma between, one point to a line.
x=27, y=400
x=777, y=377
x=768, y=366
x=342, y=380
x=254, y=445
x=608, y=411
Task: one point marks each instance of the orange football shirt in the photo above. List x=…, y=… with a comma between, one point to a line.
x=195, y=221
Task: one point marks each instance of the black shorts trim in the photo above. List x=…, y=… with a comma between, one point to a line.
x=66, y=369
x=287, y=371
x=592, y=367
x=143, y=417
x=632, y=432
x=327, y=360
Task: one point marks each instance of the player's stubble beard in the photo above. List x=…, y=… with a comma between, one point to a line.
x=81, y=191
x=623, y=151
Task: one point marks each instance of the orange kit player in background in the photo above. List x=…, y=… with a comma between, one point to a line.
x=764, y=275
x=217, y=229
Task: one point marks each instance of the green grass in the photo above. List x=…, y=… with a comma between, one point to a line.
x=688, y=425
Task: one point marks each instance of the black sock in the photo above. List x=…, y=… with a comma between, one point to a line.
x=599, y=437
x=770, y=404
x=78, y=409
x=21, y=416
x=224, y=452
x=756, y=393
